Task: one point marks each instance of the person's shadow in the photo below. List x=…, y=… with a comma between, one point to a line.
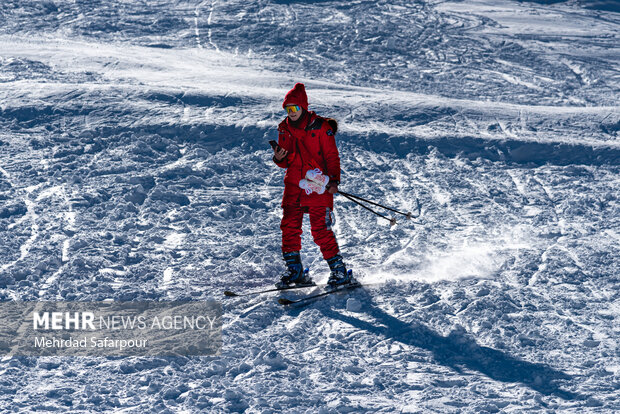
x=458, y=351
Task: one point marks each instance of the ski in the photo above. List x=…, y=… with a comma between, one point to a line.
x=258, y=292
x=350, y=286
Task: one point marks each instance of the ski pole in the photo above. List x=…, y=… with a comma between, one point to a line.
x=350, y=196
x=391, y=220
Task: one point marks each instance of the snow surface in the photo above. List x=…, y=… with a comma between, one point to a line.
x=134, y=165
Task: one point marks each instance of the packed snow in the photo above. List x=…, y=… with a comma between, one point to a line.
x=135, y=165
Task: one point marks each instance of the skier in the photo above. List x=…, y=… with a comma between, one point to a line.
x=306, y=142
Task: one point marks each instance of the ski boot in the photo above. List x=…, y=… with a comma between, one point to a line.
x=339, y=276
x=295, y=273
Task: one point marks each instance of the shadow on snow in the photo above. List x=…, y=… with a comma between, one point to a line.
x=216, y=137
x=457, y=351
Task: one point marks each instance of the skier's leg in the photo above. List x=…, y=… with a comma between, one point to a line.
x=321, y=221
x=292, y=219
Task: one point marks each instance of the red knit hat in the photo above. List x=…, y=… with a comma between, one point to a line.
x=296, y=96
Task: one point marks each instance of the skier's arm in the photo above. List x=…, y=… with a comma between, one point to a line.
x=331, y=156
x=281, y=155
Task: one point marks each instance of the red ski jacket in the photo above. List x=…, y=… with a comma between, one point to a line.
x=310, y=145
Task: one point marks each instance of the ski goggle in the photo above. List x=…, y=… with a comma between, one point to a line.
x=291, y=109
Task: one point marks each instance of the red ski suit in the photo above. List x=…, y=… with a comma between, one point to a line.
x=310, y=144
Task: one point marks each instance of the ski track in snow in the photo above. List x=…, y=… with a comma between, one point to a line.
x=134, y=165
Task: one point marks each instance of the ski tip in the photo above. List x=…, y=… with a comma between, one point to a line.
x=229, y=293
x=284, y=301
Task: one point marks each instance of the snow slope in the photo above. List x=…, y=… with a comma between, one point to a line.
x=134, y=165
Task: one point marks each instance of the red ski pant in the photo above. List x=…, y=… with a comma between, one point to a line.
x=321, y=220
